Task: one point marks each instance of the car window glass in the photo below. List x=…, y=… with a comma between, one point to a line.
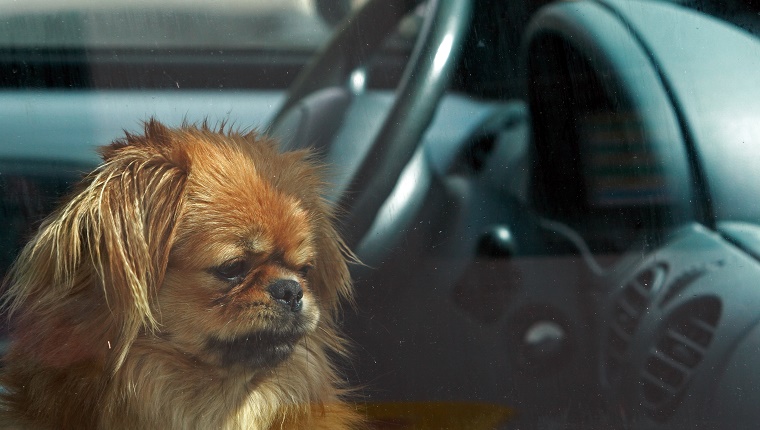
x=169, y=24
x=561, y=228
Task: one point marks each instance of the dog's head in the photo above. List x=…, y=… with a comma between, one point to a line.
x=213, y=244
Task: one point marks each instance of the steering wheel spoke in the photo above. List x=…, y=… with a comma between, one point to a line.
x=316, y=105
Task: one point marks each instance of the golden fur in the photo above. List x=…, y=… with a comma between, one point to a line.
x=140, y=301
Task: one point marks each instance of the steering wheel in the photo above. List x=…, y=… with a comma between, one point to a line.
x=317, y=101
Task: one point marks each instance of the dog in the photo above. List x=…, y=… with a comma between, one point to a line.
x=193, y=280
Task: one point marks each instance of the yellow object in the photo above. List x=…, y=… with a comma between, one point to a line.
x=436, y=415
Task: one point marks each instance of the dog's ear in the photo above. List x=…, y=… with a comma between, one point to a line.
x=83, y=286
x=331, y=275
x=330, y=278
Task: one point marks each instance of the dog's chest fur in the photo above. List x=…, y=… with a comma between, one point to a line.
x=189, y=395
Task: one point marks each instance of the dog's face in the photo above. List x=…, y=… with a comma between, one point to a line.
x=236, y=290
x=210, y=245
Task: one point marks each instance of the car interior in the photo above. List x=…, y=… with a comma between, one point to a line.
x=554, y=203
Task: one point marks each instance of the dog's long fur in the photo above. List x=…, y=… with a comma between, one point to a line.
x=127, y=315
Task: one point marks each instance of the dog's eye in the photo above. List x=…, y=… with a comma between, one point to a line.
x=232, y=271
x=305, y=269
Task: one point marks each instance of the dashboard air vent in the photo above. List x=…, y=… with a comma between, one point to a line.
x=628, y=308
x=680, y=348
x=687, y=277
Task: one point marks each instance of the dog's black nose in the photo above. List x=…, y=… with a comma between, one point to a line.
x=287, y=292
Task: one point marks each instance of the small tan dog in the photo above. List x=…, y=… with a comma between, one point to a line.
x=192, y=282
